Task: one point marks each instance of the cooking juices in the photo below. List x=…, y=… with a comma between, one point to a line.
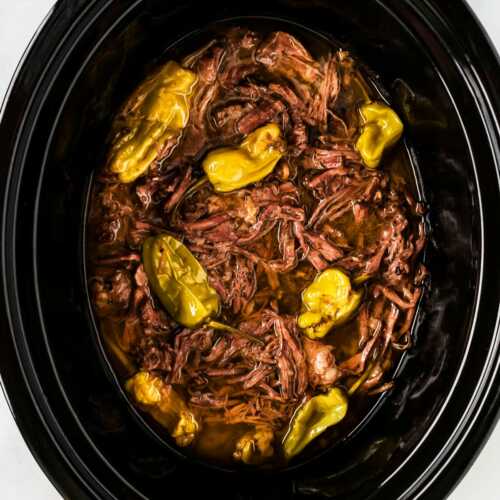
x=255, y=248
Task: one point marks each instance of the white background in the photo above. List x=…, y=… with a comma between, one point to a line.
x=20, y=476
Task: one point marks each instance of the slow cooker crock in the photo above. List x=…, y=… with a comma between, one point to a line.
x=443, y=76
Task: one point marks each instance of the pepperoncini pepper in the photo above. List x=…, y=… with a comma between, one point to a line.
x=154, y=115
x=382, y=128
x=328, y=301
x=163, y=403
x=313, y=418
x=235, y=167
x=255, y=446
x=179, y=281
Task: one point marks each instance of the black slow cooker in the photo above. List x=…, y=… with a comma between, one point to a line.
x=444, y=78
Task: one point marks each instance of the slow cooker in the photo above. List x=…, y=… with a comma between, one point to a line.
x=443, y=75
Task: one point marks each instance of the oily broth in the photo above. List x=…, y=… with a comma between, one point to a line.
x=216, y=441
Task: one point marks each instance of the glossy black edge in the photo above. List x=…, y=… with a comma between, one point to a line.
x=485, y=81
x=38, y=426
x=482, y=74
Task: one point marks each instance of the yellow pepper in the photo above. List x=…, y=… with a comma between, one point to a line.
x=327, y=302
x=313, y=418
x=382, y=128
x=181, y=284
x=255, y=446
x=163, y=403
x=235, y=167
x=179, y=280
x=155, y=114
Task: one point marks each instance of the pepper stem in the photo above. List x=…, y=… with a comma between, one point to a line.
x=190, y=191
x=361, y=380
x=221, y=326
x=198, y=184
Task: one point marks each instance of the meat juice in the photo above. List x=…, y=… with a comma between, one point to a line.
x=261, y=246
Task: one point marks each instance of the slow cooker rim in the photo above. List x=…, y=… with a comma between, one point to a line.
x=466, y=422
x=68, y=479
x=5, y=117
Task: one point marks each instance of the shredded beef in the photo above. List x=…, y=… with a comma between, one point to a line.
x=263, y=244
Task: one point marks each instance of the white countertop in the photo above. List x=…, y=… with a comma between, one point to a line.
x=20, y=476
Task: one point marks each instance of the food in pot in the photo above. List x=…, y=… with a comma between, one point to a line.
x=255, y=247
x=327, y=301
x=233, y=168
x=179, y=281
x=151, y=121
x=313, y=418
x=381, y=129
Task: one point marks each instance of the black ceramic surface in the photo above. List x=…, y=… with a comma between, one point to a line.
x=443, y=77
